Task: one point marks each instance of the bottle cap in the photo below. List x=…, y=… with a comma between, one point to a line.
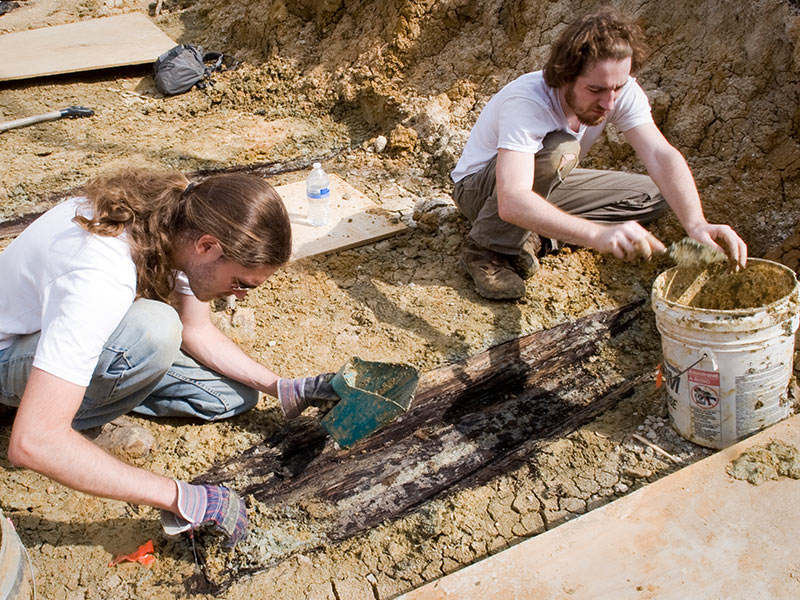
x=316, y=166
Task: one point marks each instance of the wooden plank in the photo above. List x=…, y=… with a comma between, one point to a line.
x=469, y=422
x=122, y=40
x=354, y=219
x=16, y=225
x=697, y=533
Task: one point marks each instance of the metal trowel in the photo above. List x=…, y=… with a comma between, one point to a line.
x=372, y=394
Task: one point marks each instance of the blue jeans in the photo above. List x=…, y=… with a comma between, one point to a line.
x=140, y=369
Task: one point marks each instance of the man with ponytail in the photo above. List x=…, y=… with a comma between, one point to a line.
x=104, y=310
x=517, y=180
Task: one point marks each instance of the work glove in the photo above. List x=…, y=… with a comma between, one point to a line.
x=296, y=395
x=213, y=505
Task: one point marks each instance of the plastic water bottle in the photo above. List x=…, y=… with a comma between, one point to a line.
x=319, y=195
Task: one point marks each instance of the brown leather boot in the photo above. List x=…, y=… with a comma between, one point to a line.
x=493, y=276
x=526, y=263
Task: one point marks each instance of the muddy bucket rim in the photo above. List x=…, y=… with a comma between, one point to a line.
x=657, y=295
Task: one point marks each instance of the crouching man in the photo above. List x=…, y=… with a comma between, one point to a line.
x=517, y=180
x=104, y=309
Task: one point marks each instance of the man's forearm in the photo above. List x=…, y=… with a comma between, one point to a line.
x=77, y=463
x=529, y=210
x=674, y=179
x=517, y=203
x=42, y=439
x=212, y=348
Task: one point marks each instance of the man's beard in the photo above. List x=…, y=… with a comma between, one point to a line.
x=587, y=117
x=201, y=278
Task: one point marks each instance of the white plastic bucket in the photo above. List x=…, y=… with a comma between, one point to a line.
x=727, y=370
x=15, y=583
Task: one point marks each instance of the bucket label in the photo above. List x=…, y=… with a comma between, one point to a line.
x=673, y=377
x=704, y=398
x=758, y=398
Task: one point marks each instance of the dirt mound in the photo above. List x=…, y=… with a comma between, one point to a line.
x=430, y=66
x=788, y=251
x=390, y=89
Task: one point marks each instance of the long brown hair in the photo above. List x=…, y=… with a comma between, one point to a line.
x=156, y=209
x=600, y=35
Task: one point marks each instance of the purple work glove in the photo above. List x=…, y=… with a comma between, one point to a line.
x=214, y=505
x=296, y=395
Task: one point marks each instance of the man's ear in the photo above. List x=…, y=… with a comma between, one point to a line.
x=208, y=246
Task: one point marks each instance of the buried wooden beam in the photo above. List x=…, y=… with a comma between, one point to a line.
x=470, y=421
x=15, y=226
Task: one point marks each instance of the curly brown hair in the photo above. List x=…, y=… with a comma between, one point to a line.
x=600, y=35
x=156, y=209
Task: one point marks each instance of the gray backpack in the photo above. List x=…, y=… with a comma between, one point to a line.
x=181, y=68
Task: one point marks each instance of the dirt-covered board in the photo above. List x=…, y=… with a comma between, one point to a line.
x=122, y=40
x=353, y=219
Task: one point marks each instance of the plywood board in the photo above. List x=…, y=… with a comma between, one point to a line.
x=353, y=220
x=697, y=533
x=129, y=39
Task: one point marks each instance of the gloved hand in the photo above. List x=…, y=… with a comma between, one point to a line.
x=213, y=505
x=296, y=395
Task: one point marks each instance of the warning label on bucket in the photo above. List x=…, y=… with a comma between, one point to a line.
x=705, y=406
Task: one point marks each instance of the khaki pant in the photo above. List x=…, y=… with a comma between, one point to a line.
x=604, y=196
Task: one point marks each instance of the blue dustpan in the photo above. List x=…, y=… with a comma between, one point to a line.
x=372, y=394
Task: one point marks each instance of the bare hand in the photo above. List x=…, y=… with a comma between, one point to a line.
x=629, y=241
x=726, y=239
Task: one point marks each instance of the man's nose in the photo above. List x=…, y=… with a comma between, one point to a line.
x=608, y=100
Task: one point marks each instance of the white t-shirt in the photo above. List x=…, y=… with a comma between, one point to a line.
x=521, y=114
x=73, y=286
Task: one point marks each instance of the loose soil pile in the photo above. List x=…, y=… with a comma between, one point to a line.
x=764, y=463
x=325, y=78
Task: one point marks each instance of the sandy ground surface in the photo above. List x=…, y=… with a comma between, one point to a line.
x=325, y=79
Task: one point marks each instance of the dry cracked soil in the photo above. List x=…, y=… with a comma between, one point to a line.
x=334, y=79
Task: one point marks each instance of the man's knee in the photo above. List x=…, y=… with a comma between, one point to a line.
x=646, y=202
x=559, y=154
x=561, y=142
x=655, y=207
x=234, y=401
x=154, y=328
x=249, y=399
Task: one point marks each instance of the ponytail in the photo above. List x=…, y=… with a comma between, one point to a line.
x=155, y=209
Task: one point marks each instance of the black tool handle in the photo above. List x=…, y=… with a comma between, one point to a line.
x=72, y=112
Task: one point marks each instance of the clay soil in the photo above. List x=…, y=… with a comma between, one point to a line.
x=329, y=79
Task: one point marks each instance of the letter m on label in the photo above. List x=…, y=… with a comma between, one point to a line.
x=673, y=377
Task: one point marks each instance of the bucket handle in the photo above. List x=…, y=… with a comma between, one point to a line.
x=706, y=353
x=709, y=353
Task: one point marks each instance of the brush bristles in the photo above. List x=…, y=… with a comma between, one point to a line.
x=689, y=252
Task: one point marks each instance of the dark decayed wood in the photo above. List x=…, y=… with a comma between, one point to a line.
x=469, y=421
